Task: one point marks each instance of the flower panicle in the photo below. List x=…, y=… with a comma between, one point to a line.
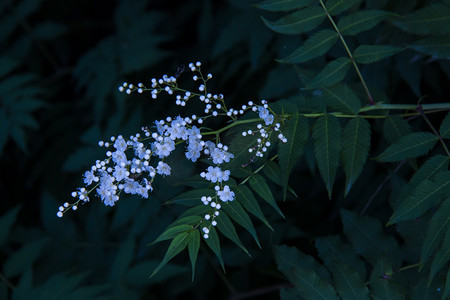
x=132, y=164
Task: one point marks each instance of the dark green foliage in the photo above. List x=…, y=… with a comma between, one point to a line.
x=383, y=235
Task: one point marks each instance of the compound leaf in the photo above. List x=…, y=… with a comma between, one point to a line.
x=335, y=7
x=311, y=286
x=226, y=227
x=193, y=247
x=444, y=130
x=238, y=214
x=436, y=46
x=341, y=98
x=395, y=127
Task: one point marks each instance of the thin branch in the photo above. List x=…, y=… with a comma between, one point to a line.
x=381, y=186
x=6, y=281
x=371, y=101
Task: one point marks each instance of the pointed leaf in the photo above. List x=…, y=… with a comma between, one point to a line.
x=213, y=243
x=176, y=246
x=172, y=232
x=410, y=146
x=367, y=54
x=191, y=198
x=444, y=130
x=327, y=141
x=290, y=257
x=282, y=5
x=332, y=249
x=381, y=284
x=259, y=185
x=395, y=127
x=447, y=286
x=296, y=133
x=311, y=286
x=318, y=44
x=188, y=220
x=335, y=7
x=441, y=258
x=341, y=98
x=123, y=259
x=193, y=247
x=238, y=214
x=355, y=149
x=439, y=225
x=226, y=227
x=361, y=21
x=425, y=196
x=367, y=237
x=245, y=197
x=432, y=19
x=436, y=46
x=349, y=284
x=301, y=21
x=429, y=169
x=23, y=258
x=333, y=73
x=6, y=222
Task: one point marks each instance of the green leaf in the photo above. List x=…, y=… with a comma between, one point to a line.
x=176, y=246
x=123, y=259
x=341, y=98
x=367, y=54
x=327, y=141
x=444, y=130
x=290, y=257
x=172, y=232
x=318, y=44
x=349, y=284
x=382, y=286
x=395, y=127
x=447, y=286
x=439, y=225
x=301, y=21
x=367, y=237
x=333, y=73
x=213, y=243
x=361, y=21
x=23, y=258
x=431, y=167
x=311, y=286
x=245, y=197
x=226, y=227
x=432, y=20
x=193, y=247
x=6, y=222
x=425, y=196
x=282, y=5
x=355, y=149
x=191, y=198
x=436, y=46
x=441, y=258
x=188, y=220
x=238, y=214
x=410, y=146
x=259, y=185
x=296, y=133
x=8, y=64
x=335, y=7
x=332, y=249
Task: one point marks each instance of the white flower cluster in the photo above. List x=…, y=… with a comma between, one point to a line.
x=132, y=164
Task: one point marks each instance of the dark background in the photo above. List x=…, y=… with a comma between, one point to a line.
x=62, y=62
